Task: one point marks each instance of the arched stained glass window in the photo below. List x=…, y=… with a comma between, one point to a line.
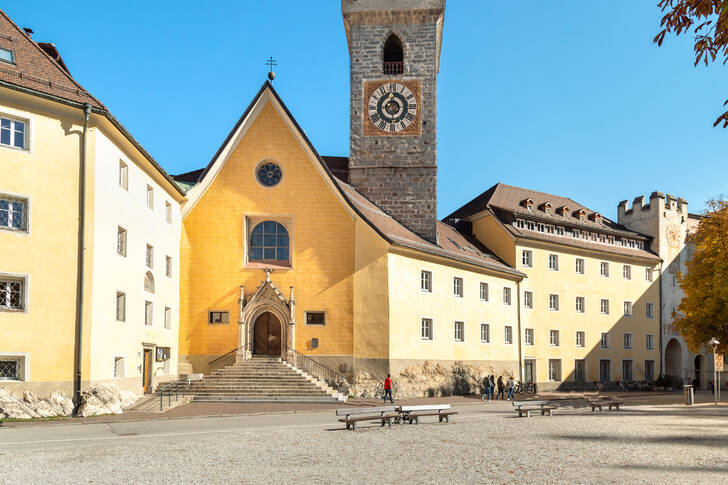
x=269, y=243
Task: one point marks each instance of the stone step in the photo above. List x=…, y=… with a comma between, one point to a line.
x=318, y=399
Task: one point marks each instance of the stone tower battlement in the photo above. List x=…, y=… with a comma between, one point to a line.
x=657, y=201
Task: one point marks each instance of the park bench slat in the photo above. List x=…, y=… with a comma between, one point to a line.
x=431, y=407
x=369, y=410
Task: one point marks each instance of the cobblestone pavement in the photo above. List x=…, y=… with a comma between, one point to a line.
x=641, y=444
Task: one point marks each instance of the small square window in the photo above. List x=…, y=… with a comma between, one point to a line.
x=426, y=281
x=426, y=329
x=457, y=287
x=508, y=334
x=218, y=317
x=316, y=318
x=483, y=291
x=123, y=175
x=13, y=213
x=120, y=306
x=12, y=293
x=506, y=296
x=528, y=336
x=580, y=338
x=459, y=331
x=484, y=333
x=528, y=299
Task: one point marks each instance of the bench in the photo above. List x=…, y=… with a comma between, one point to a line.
x=532, y=407
x=611, y=402
x=383, y=414
x=412, y=414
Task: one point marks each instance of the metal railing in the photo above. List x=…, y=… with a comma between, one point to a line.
x=222, y=361
x=174, y=389
x=316, y=369
x=393, y=67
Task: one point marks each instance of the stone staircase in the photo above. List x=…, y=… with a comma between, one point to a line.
x=262, y=379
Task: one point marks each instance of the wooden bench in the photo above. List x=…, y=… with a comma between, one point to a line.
x=532, y=407
x=611, y=402
x=383, y=414
x=412, y=414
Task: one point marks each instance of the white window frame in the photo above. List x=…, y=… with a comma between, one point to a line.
x=425, y=281
x=580, y=268
x=554, y=338
x=627, y=271
x=431, y=335
x=458, y=324
x=507, y=295
x=484, y=291
x=23, y=360
x=581, y=333
x=24, y=279
x=602, y=306
x=458, y=287
x=604, y=269
x=485, y=326
x=628, y=340
x=14, y=120
x=648, y=275
x=553, y=307
x=508, y=334
x=583, y=304
x=552, y=370
x=628, y=308
x=553, y=262
x=528, y=299
x=25, y=223
x=527, y=258
x=528, y=332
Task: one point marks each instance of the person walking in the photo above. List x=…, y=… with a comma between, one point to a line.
x=491, y=387
x=388, y=389
x=487, y=390
x=511, y=387
x=501, y=388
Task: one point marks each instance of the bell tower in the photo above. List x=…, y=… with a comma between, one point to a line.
x=394, y=48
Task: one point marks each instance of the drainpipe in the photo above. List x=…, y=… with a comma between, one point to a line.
x=662, y=357
x=520, y=342
x=80, y=262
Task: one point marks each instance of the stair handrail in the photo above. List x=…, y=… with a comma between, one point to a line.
x=222, y=360
x=304, y=362
x=173, y=388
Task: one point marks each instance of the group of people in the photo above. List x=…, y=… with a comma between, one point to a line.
x=490, y=384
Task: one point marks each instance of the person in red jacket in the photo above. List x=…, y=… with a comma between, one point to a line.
x=388, y=389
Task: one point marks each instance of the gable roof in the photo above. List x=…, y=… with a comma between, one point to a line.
x=505, y=202
x=40, y=71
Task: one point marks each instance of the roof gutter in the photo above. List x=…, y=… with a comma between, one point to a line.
x=78, y=357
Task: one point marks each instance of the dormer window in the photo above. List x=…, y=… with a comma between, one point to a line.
x=563, y=211
x=527, y=203
x=546, y=207
x=393, y=56
x=580, y=214
x=7, y=56
x=596, y=217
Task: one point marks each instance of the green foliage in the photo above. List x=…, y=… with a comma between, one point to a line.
x=707, y=20
x=703, y=312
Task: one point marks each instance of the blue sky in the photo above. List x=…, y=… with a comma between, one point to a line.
x=568, y=97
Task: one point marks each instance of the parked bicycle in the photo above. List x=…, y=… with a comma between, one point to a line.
x=529, y=388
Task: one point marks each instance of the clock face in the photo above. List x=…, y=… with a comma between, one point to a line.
x=392, y=108
x=672, y=233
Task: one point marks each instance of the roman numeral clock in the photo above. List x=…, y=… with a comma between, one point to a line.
x=392, y=108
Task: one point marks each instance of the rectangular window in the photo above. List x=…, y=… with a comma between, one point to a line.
x=218, y=317
x=484, y=333
x=527, y=258
x=123, y=175
x=167, y=317
x=12, y=133
x=508, y=334
x=579, y=370
x=554, y=369
x=459, y=331
x=604, y=306
x=168, y=212
x=150, y=197
x=426, y=281
x=528, y=299
x=316, y=318
x=150, y=256
x=118, y=367
x=648, y=274
x=12, y=293
x=627, y=308
x=7, y=55
x=554, y=303
x=168, y=266
x=528, y=336
x=506, y=295
x=554, y=338
x=148, y=313
x=9, y=370
x=580, y=338
x=13, y=213
x=627, y=370
x=426, y=329
x=580, y=304
x=649, y=342
x=604, y=269
x=554, y=262
x=604, y=374
x=483, y=291
x=605, y=340
x=121, y=241
x=120, y=306
x=579, y=266
x=649, y=311
x=457, y=287
x=627, y=272
x=627, y=341
x=649, y=370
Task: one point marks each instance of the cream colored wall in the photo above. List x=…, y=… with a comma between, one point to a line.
x=496, y=237
x=114, y=207
x=409, y=304
x=568, y=285
x=213, y=246
x=47, y=174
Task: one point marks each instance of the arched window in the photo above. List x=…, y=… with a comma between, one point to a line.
x=269, y=243
x=393, y=56
x=149, y=282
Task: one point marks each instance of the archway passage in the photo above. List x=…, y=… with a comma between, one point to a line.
x=267, y=335
x=673, y=359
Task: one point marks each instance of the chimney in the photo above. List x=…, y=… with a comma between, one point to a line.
x=28, y=31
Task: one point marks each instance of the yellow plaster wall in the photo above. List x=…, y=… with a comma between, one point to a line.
x=409, y=304
x=212, y=246
x=496, y=238
x=568, y=285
